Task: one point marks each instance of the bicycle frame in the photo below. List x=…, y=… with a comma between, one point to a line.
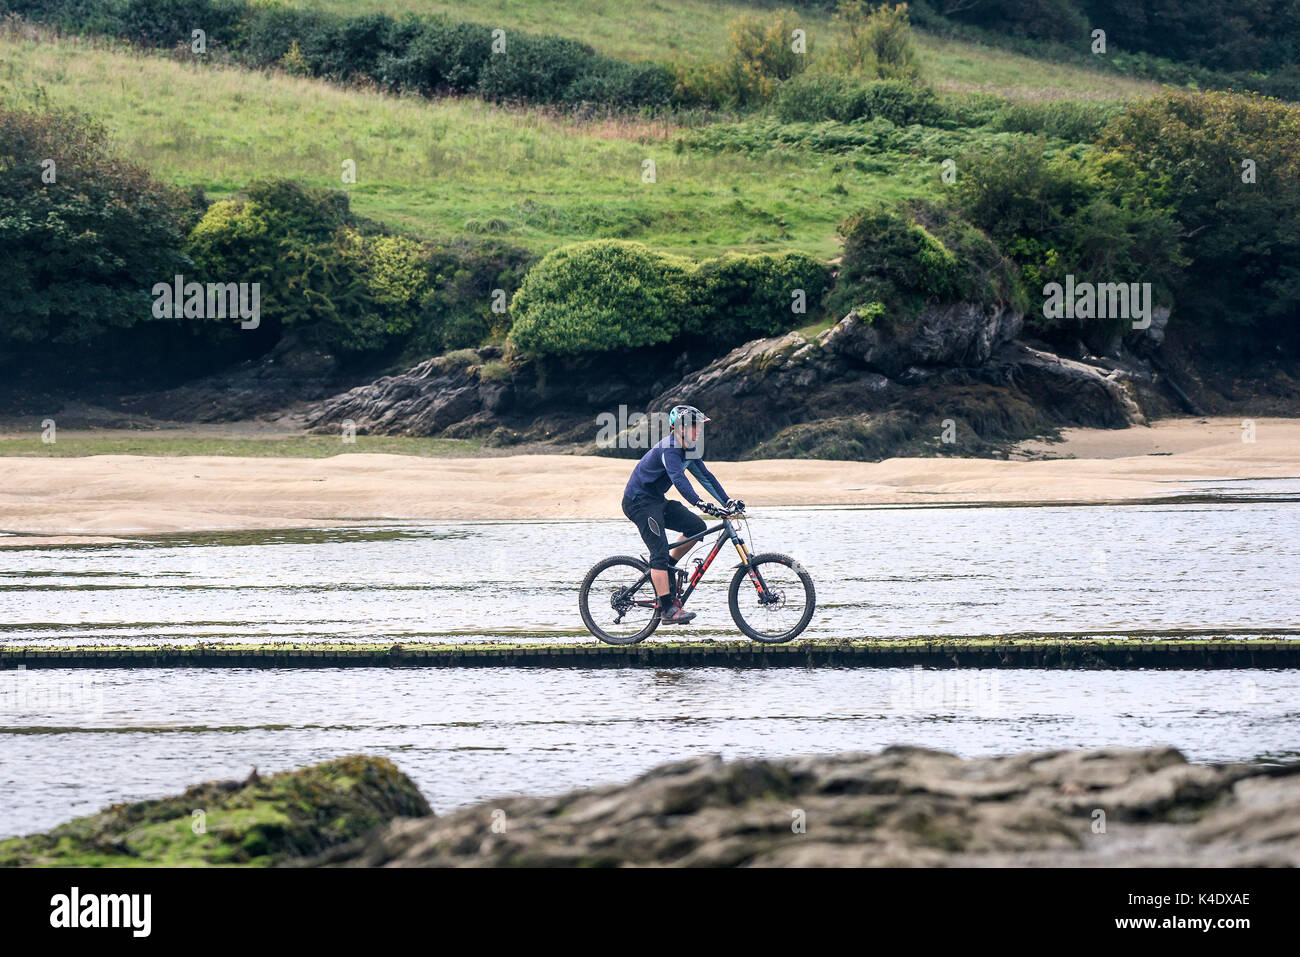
x=729, y=533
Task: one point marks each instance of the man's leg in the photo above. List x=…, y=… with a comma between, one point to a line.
x=659, y=578
x=654, y=532
x=681, y=519
x=650, y=523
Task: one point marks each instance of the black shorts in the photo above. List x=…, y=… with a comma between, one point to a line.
x=652, y=521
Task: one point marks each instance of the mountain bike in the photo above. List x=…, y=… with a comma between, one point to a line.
x=771, y=596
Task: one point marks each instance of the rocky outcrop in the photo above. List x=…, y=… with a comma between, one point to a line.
x=952, y=380
x=433, y=396
x=476, y=393
x=902, y=807
x=257, y=821
x=288, y=374
x=870, y=394
x=957, y=334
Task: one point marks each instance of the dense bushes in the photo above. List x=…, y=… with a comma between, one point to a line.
x=829, y=97
x=898, y=260
x=460, y=308
x=1070, y=120
x=80, y=253
x=1187, y=153
x=339, y=289
x=609, y=295
x=872, y=42
x=342, y=285
x=1055, y=217
x=760, y=58
x=425, y=56
x=740, y=297
x=1215, y=44
x=1219, y=34
x=84, y=252
x=600, y=296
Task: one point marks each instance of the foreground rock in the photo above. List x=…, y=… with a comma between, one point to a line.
x=901, y=807
x=257, y=821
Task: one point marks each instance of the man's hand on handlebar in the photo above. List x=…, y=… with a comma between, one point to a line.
x=733, y=507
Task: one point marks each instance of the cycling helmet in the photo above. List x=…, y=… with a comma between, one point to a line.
x=685, y=415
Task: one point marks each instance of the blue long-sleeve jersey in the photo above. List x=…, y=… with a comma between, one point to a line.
x=666, y=464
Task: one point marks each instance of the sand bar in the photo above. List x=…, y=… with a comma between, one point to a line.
x=45, y=500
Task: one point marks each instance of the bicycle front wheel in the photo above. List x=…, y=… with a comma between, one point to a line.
x=781, y=606
x=617, y=601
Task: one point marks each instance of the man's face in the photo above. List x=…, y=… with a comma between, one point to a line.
x=691, y=433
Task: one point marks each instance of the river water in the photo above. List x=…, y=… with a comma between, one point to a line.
x=73, y=741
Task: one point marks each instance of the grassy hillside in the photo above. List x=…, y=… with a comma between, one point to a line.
x=664, y=30
x=432, y=167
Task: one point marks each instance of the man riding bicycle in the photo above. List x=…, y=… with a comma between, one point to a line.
x=665, y=464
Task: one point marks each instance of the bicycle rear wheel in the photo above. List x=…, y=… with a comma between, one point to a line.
x=617, y=601
x=779, y=611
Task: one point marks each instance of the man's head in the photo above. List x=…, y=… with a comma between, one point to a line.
x=685, y=422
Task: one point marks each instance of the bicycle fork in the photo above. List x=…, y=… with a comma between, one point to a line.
x=755, y=575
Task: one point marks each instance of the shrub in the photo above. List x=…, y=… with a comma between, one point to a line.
x=827, y=97
x=911, y=256
x=607, y=295
x=761, y=56
x=536, y=68
x=423, y=55
x=1184, y=152
x=740, y=297
x=462, y=277
x=1063, y=119
x=443, y=56
x=164, y=23
x=623, y=85
x=872, y=42
x=339, y=288
x=600, y=296
x=81, y=253
x=1054, y=216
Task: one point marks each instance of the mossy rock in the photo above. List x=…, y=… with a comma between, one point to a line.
x=259, y=822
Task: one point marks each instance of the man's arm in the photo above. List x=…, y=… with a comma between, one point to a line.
x=675, y=464
x=708, y=480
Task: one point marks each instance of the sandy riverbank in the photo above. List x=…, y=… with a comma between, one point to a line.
x=52, y=500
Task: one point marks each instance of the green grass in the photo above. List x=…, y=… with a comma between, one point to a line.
x=303, y=446
x=429, y=166
x=811, y=332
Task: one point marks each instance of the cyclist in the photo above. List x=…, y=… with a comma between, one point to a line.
x=665, y=464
